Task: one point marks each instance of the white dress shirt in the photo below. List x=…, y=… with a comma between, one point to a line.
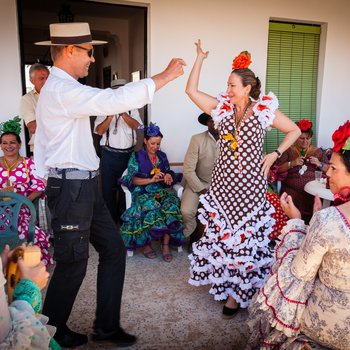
x=120, y=134
x=27, y=111
x=28, y=106
x=63, y=134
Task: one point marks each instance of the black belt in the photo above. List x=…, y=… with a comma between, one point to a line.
x=118, y=150
x=72, y=173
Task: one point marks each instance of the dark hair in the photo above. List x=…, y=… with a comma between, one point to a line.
x=310, y=132
x=147, y=137
x=248, y=78
x=345, y=157
x=11, y=133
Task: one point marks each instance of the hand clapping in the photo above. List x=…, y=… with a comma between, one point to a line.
x=158, y=177
x=167, y=178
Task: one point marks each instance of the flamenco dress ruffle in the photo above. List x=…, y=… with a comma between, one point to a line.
x=275, y=312
x=234, y=260
x=152, y=214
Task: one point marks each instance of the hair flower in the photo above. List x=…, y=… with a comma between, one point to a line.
x=341, y=138
x=242, y=61
x=151, y=130
x=13, y=125
x=304, y=125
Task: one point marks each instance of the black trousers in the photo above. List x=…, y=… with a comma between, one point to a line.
x=112, y=167
x=80, y=216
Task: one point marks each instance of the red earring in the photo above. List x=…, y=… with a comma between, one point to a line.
x=342, y=196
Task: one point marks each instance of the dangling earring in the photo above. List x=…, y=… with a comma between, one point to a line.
x=342, y=196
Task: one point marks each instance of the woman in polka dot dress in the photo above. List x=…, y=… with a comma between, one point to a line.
x=17, y=175
x=234, y=256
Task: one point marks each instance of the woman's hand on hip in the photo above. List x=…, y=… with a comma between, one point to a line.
x=267, y=162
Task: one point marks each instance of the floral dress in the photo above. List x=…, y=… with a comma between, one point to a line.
x=155, y=208
x=25, y=182
x=234, y=255
x=307, y=294
x=21, y=326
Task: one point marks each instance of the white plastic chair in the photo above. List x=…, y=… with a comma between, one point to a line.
x=178, y=188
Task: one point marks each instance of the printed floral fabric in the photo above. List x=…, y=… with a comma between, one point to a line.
x=20, y=327
x=25, y=182
x=307, y=294
x=234, y=255
x=155, y=208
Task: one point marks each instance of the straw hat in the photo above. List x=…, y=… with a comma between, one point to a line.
x=70, y=34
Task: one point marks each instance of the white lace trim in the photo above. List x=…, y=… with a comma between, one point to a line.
x=222, y=110
x=265, y=109
x=282, y=298
x=217, y=258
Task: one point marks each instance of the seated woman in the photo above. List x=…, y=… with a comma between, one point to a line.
x=299, y=163
x=17, y=175
x=20, y=326
x=155, y=208
x=307, y=294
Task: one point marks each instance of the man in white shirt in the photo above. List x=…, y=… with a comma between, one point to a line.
x=117, y=144
x=64, y=153
x=38, y=74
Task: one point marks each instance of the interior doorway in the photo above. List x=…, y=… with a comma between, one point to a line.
x=124, y=27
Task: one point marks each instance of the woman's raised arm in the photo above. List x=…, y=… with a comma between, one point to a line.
x=204, y=101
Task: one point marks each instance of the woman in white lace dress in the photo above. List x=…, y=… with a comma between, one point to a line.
x=307, y=295
x=234, y=256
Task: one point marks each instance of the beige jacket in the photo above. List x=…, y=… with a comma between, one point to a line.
x=199, y=161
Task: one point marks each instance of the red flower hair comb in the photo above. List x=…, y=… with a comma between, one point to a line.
x=341, y=138
x=242, y=61
x=304, y=125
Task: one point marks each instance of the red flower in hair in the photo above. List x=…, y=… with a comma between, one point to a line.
x=242, y=60
x=304, y=125
x=340, y=136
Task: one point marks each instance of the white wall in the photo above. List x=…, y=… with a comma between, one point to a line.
x=226, y=27
x=11, y=86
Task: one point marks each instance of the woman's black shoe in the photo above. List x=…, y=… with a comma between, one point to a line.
x=228, y=313
x=118, y=337
x=70, y=339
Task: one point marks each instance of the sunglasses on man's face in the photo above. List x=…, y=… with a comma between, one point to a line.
x=90, y=52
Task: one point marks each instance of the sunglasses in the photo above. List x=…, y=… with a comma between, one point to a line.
x=90, y=52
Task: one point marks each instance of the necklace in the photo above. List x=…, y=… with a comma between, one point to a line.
x=154, y=160
x=235, y=139
x=9, y=168
x=303, y=152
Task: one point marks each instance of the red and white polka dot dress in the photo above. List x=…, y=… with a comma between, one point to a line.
x=233, y=255
x=25, y=182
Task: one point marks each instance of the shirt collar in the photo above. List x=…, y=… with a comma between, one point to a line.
x=210, y=135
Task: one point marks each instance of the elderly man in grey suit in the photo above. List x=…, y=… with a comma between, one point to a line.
x=198, y=165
